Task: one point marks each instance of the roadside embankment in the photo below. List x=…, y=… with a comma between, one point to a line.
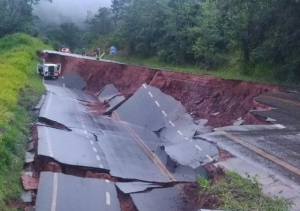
x=20, y=89
x=220, y=101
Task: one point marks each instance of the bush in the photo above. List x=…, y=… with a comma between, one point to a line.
x=17, y=62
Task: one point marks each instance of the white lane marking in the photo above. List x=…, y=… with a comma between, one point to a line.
x=144, y=85
x=64, y=85
x=164, y=113
x=49, y=102
x=83, y=126
x=150, y=94
x=92, y=143
x=63, y=77
x=107, y=181
x=54, y=194
x=209, y=158
x=198, y=147
x=98, y=158
x=172, y=123
x=157, y=103
x=95, y=150
x=107, y=198
x=180, y=133
x=280, y=126
x=85, y=131
x=101, y=166
x=48, y=142
x=186, y=138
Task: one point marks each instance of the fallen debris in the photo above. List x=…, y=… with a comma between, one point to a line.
x=135, y=187
x=30, y=183
x=100, y=176
x=26, y=197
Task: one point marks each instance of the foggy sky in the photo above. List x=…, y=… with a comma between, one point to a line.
x=68, y=10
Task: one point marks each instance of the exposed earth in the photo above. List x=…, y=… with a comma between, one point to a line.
x=135, y=138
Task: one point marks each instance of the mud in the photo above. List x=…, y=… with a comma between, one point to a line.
x=190, y=196
x=126, y=202
x=97, y=108
x=53, y=124
x=30, y=183
x=100, y=176
x=211, y=201
x=201, y=95
x=53, y=167
x=224, y=155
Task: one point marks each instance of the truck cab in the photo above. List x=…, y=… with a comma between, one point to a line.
x=49, y=70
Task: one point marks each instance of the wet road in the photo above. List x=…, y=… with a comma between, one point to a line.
x=271, y=152
x=125, y=146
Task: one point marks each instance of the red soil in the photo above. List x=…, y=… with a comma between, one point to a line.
x=201, y=95
x=100, y=176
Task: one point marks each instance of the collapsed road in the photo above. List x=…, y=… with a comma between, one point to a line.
x=128, y=150
x=119, y=137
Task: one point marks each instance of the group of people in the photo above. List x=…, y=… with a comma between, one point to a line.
x=97, y=51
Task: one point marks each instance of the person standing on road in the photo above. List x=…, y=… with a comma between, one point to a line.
x=97, y=52
x=83, y=51
x=113, y=52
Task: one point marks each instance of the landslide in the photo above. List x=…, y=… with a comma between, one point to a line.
x=221, y=101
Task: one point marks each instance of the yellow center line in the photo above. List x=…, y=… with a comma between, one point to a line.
x=148, y=152
x=261, y=152
x=283, y=100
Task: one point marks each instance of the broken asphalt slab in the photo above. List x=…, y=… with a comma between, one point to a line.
x=193, y=153
x=108, y=92
x=284, y=105
x=160, y=113
x=73, y=81
x=111, y=126
x=71, y=93
x=73, y=148
x=229, y=144
x=150, y=108
x=114, y=103
x=135, y=187
x=128, y=160
x=182, y=173
x=60, y=192
x=67, y=112
x=181, y=130
x=165, y=199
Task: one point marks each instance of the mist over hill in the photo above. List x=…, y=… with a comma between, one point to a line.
x=60, y=11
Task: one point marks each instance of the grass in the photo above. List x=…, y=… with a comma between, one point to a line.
x=233, y=70
x=243, y=194
x=20, y=89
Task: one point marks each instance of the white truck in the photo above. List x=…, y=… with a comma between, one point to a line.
x=48, y=70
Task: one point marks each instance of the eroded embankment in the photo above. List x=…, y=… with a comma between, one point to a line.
x=220, y=101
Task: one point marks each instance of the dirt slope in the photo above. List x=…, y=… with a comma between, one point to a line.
x=201, y=95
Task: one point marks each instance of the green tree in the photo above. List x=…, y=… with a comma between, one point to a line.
x=16, y=16
x=100, y=24
x=176, y=46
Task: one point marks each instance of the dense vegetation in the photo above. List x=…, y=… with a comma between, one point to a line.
x=254, y=37
x=20, y=89
x=233, y=192
x=257, y=37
